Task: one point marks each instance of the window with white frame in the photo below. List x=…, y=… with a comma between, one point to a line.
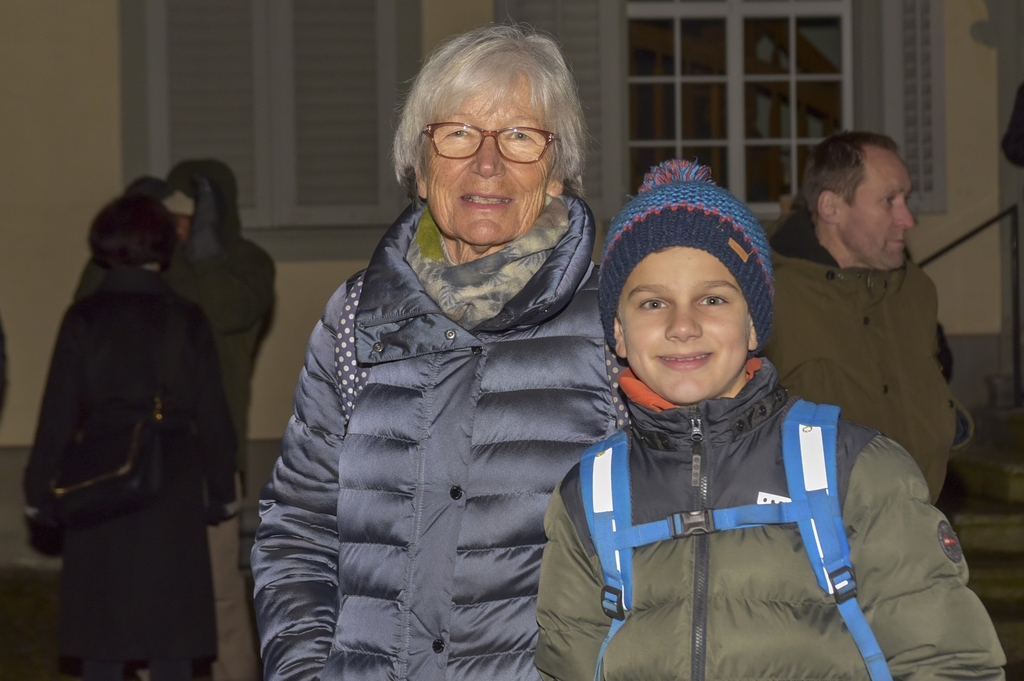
x=297, y=96
x=746, y=87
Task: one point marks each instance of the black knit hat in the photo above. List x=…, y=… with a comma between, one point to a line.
x=679, y=205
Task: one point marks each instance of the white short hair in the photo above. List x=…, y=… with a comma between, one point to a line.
x=496, y=60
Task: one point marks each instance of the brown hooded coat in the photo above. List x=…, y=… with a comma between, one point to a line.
x=866, y=341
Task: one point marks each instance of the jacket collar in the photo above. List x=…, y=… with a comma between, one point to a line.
x=134, y=280
x=396, y=319
x=797, y=241
x=726, y=418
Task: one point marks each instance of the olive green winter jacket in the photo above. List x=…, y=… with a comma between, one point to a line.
x=865, y=340
x=235, y=289
x=744, y=604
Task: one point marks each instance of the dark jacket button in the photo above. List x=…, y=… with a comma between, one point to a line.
x=867, y=321
x=449, y=334
x=885, y=389
x=477, y=349
x=377, y=347
x=455, y=492
x=438, y=645
x=830, y=275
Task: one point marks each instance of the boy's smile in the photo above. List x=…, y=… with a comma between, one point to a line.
x=683, y=326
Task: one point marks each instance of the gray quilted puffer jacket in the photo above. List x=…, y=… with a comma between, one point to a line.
x=409, y=546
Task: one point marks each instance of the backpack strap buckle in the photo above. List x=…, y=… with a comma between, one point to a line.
x=611, y=602
x=844, y=586
x=689, y=523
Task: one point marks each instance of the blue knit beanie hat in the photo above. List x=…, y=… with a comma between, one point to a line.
x=679, y=205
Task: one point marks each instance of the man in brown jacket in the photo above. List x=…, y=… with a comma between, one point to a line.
x=855, y=322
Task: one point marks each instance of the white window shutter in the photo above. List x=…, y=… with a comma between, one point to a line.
x=297, y=96
x=589, y=32
x=210, y=87
x=336, y=121
x=914, y=95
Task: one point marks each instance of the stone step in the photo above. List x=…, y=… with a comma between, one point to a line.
x=986, y=526
x=1011, y=635
x=996, y=474
x=998, y=579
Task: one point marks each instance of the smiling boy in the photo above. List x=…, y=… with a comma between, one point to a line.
x=686, y=299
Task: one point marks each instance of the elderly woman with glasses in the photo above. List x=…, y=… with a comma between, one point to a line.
x=446, y=390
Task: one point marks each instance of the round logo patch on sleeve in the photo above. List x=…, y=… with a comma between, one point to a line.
x=949, y=542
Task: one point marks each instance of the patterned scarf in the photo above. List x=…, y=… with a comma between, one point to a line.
x=473, y=292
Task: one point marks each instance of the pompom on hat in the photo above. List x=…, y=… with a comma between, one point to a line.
x=679, y=205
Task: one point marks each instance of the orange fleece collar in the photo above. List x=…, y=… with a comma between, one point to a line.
x=638, y=392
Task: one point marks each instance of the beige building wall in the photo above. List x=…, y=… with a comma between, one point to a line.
x=445, y=18
x=303, y=288
x=969, y=278
x=60, y=151
x=60, y=161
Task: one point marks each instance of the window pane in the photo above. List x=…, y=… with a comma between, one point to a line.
x=704, y=115
x=650, y=48
x=767, y=173
x=767, y=110
x=818, y=45
x=819, y=109
x=702, y=43
x=652, y=112
x=766, y=46
x=641, y=160
x=715, y=157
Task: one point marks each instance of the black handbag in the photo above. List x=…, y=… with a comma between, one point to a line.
x=110, y=471
x=115, y=465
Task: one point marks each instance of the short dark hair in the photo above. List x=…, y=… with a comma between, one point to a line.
x=837, y=165
x=132, y=230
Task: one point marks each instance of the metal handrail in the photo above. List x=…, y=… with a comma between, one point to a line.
x=1013, y=213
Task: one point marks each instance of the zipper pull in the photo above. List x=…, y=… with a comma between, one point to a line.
x=696, y=434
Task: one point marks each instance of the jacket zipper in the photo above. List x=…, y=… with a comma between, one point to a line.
x=698, y=646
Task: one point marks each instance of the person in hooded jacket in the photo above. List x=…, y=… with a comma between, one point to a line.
x=137, y=586
x=232, y=280
x=446, y=390
x=686, y=297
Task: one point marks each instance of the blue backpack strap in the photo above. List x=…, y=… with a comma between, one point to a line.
x=809, y=454
x=604, y=482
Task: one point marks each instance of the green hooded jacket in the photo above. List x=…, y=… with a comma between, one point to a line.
x=235, y=289
x=745, y=604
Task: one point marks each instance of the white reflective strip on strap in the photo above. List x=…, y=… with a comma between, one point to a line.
x=618, y=561
x=603, y=482
x=821, y=555
x=812, y=453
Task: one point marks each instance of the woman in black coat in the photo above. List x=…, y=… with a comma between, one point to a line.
x=138, y=586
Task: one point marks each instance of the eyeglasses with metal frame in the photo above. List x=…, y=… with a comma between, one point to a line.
x=462, y=140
